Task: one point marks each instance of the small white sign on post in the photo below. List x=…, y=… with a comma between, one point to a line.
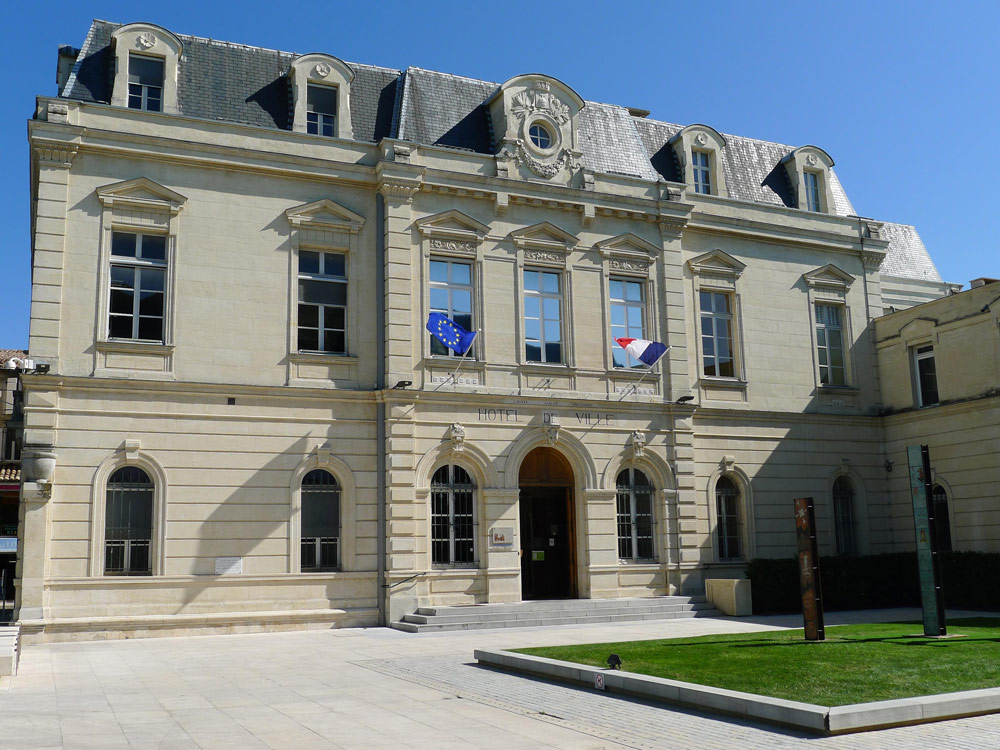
x=228, y=566
x=599, y=680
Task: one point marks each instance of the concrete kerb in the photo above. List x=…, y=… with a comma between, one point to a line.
x=819, y=719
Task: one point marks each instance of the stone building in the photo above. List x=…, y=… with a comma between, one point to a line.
x=246, y=425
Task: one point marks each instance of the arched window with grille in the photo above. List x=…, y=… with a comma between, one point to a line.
x=320, y=521
x=635, y=516
x=728, y=518
x=843, y=516
x=942, y=522
x=128, y=519
x=453, y=517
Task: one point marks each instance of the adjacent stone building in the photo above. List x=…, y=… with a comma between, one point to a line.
x=246, y=424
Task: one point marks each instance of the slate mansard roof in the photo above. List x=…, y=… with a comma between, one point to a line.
x=248, y=85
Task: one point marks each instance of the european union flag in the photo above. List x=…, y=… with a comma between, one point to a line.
x=450, y=333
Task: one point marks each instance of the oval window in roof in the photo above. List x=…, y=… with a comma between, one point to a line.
x=540, y=136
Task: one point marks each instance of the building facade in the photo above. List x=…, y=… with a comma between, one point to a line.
x=247, y=426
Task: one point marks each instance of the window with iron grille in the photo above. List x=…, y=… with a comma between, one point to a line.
x=830, y=345
x=717, y=334
x=700, y=161
x=843, y=516
x=322, y=302
x=942, y=522
x=320, y=521
x=321, y=110
x=542, y=316
x=128, y=522
x=137, y=297
x=453, y=517
x=145, y=83
x=635, y=516
x=451, y=294
x=628, y=317
x=728, y=519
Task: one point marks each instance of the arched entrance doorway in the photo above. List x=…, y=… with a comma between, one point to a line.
x=548, y=550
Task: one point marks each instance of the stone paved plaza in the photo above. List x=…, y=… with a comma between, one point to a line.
x=377, y=688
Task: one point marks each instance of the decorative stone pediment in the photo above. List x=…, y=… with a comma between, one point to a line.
x=829, y=277
x=142, y=193
x=918, y=328
x=544, y=236
x=628, y=245
x=325, y=214
x=717, y=263
x=453, y=224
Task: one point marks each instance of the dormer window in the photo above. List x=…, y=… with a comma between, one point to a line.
x=808, y=169
x=321, y=110
x=539, y=136
x=145, y=83
x=701, y=164
x=813, y=199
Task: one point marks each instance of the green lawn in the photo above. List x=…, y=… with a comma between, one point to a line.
x=855, y=664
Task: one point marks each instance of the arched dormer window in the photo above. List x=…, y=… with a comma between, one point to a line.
x=808, y=169
x=698, y=150
x=635, y=516
x=146, y=62
x=321, y=96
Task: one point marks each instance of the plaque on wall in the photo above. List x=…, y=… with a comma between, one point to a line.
x=228, y=566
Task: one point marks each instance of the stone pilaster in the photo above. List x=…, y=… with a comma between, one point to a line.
x=600, y=544
x=502, y=560
x=674, y=313
x=33, y=552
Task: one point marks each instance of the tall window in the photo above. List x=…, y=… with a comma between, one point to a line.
x=542, y=316
x=812, y=191
x=320, y=521
x=453, y=525
x=925, y=375
x=702, y=172
x=717, y=334
x=635, y=516
x=728, y=521
x=830, y=345
x=628, y=317
x=451, y=294
x=942, y=522
x=322, y=302
x=128, y=519
x=843, y=516
x=138, y=278
x=321, y=110
x=145, y=83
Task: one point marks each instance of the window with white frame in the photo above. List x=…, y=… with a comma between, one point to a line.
x=728, y=520
x=321, y=110
x=320, y=521
x=701, y=165
x=453, y=517
x=137, y=300
x=543, y=302
x=128, y=520
x=635, y=516
x=145, y=82
x=716, y=312
x=813, y=182
x=451, y=294
x=628, y=316
x=925, y=375
x=830, y=344
x=843, y=516
x=322, y=310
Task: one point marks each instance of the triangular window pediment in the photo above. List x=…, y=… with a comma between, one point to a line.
x=919, y=327
x=717, y=262
x=544, y=235
x=452, y=223
x=829, y=276
x=143, y=192
x=325, y=213
x=629, y=245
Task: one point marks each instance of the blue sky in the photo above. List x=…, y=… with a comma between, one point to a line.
x=904, y=96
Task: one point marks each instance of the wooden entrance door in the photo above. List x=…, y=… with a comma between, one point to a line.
x=548, y=553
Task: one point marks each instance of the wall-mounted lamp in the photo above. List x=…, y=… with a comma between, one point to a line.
x=402, y=384
x=684, y=399
x=888, y=464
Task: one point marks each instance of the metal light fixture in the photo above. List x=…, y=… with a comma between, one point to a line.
x=888, y=464
x=614, y=661
x=402, y=384
x=684, y=399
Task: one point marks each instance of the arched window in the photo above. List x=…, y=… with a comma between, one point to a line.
x=453, y=523
x=843, y=516
x=728, y=520
x=941, y=520
x=128, y=519
x=635, y=516
x=320, y=521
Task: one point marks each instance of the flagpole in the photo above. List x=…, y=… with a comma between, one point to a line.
x=635, y=387
x=462, y=361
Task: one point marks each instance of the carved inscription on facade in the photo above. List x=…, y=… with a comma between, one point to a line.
x=545, y=255
x=618, y=264
x=454, y=246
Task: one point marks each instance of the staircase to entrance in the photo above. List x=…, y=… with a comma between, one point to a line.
x=528, y=614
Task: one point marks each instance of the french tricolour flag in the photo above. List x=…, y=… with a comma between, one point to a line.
x=644, y=351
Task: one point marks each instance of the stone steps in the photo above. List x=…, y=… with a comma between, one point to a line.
x=553, y=612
